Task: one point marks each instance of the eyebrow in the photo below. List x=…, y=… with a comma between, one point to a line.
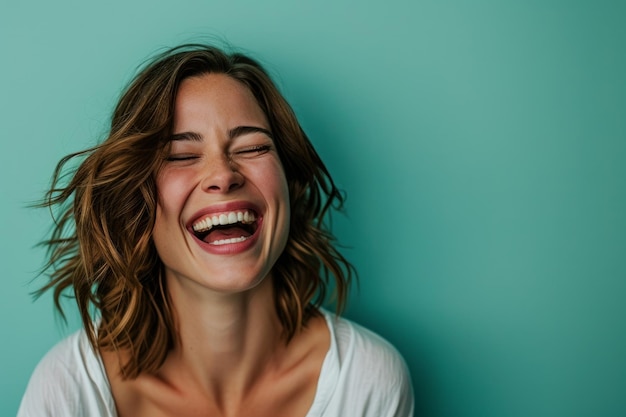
x=243, y=130
x=232, y=133
x=192, y=136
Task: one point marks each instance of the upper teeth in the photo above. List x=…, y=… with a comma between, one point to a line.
x=232, y=217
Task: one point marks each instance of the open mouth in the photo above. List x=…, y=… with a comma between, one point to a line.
x=226, y=228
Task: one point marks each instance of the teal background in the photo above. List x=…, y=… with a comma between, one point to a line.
x=482, y=145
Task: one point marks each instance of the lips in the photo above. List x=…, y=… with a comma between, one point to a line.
x=225, y=226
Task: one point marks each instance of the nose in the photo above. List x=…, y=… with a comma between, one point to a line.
x=221, y=176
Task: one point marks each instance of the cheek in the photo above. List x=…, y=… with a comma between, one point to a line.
x=272, y=183
x=281, y=191
x=172, y=190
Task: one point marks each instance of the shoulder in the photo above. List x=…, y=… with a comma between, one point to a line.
x=69, y=380
x=371, y=371
x=364, y=352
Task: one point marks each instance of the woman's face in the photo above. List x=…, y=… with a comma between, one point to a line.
x=223, y=212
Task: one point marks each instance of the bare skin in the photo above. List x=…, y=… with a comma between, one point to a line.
x=251, y=371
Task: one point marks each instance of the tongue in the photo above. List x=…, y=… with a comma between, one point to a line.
x=226, y=233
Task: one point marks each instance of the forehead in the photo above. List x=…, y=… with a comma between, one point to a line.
x=210, y=99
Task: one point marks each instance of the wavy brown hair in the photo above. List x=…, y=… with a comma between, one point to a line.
x=101, y=246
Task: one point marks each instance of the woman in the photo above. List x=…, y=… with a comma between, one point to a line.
x=195, y=232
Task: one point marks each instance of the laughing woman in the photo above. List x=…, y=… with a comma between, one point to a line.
x=193, y=241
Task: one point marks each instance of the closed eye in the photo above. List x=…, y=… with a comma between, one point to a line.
x=254, y=150
x=182, y=157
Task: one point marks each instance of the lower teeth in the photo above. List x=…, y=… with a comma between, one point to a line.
x=228, y=241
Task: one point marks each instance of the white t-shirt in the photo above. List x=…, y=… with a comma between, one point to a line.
x=362, y=375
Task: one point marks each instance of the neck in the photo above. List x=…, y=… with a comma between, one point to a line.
x=226, y=341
